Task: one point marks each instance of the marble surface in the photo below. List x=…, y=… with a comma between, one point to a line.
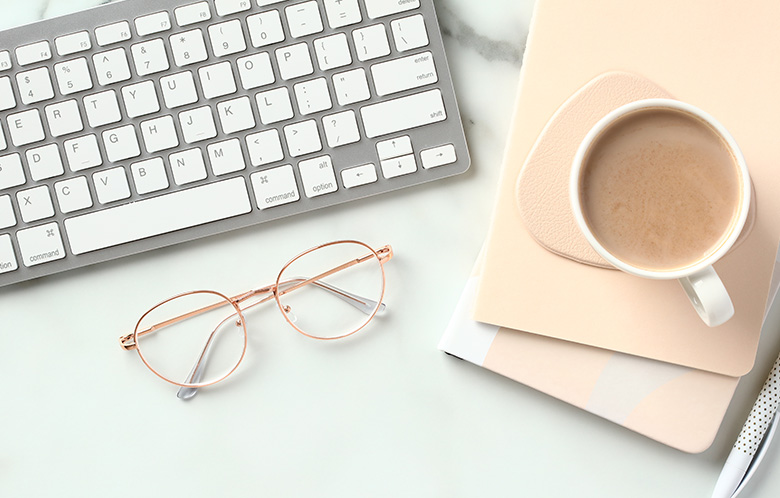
x=386, y=414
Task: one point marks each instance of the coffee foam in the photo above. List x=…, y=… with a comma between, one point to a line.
x=660, y=189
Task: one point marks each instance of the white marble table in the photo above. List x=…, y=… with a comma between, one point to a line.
x=386, y=414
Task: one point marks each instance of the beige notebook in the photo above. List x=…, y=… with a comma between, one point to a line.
x=696, y=52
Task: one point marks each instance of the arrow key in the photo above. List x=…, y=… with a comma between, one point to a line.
x=438, y=156
x=359, y=175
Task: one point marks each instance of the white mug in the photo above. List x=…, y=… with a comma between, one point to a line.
x=700, y=281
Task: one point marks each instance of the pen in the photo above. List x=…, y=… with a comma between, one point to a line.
x=743, y=460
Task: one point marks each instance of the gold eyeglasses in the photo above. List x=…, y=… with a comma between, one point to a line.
x=199, y=338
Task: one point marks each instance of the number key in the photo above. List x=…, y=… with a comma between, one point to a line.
x=111, y=66
x=188, y=48
x=150, y=57
x=265, y=28
x=227, y=38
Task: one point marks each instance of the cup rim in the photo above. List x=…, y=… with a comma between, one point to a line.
x=585, y=147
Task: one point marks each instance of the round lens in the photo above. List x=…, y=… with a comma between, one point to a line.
x=332, y=291
x=192, y=340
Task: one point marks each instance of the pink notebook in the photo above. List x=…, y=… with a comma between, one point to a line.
x=675, y=405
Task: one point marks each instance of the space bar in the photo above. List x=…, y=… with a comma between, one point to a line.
x=163, y=214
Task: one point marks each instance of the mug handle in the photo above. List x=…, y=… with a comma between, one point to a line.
x=708, y=296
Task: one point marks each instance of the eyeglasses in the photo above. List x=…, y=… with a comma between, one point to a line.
x=199, y=338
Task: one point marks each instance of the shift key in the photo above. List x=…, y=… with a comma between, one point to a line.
x=402, y=114
x=40, y=244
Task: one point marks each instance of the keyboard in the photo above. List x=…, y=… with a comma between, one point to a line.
x=146, y=123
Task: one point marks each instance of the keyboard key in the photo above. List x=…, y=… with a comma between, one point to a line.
x=111, y=67
x=35, y=204
x=313, y=96
x=275, y=187
x=102, y=108
x=409, y=33
x=302, y=138
x=226, y=157
x=395, y=147
x=179, y=89
x=150, y=57
x=64, y=118
x=112, y=33
x=192, y=13
x=11, y=171
x=3, y=143
x=359, y=175
x=255, y=71
x=318, y=176
x=438, y=156
x=32, y=53
x=187, y=166
x=159, y=134
x=265, y=28
x=274, y=105
x=227, y=7
x=404, y=165
x=73, y=43
x=153, y=23
x=40, y=244
x=303, y=19
x=111, y=185
x=7, y=98
x=236, y=115
x=188, y=48
x=371, y=42
x=73, y=76
x=5, y=60
x=45, y=162
x=294, y=61
x=341, y=129
x=141, y=219
x=227, y=38
x=217, y=80
x=197, y=124
x=140, y=99
x=7, y=257
x=73, y=194
x=149, y=176
x=83, y=153
x=342, y=13
x=264, y=147
x=382, y=8
x=403, y=113
x=121, y=143
x=35, y=86
x=7, y=216
x=332, y=52
x=405, y=73
x=25, y=127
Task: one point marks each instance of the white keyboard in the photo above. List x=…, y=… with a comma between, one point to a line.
x=146, y=123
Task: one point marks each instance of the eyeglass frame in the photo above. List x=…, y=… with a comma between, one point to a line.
x=384, y=254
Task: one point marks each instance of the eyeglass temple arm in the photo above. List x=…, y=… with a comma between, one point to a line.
x=362, y=304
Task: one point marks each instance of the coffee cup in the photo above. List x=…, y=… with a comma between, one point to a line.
x=660, y=190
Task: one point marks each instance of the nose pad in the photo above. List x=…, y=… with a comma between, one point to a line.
x=290, y=315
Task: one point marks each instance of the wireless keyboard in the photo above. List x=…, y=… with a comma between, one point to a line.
x=146, y=123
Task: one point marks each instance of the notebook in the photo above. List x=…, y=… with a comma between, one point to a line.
x=696, y=52
x=675, y=405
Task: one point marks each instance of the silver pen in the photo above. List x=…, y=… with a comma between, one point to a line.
x=753, y=440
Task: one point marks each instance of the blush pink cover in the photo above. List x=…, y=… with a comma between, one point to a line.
x=695, y=51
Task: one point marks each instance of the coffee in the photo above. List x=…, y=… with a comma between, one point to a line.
x=660, y=189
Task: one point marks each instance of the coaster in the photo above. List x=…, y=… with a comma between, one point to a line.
x=542, y=192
